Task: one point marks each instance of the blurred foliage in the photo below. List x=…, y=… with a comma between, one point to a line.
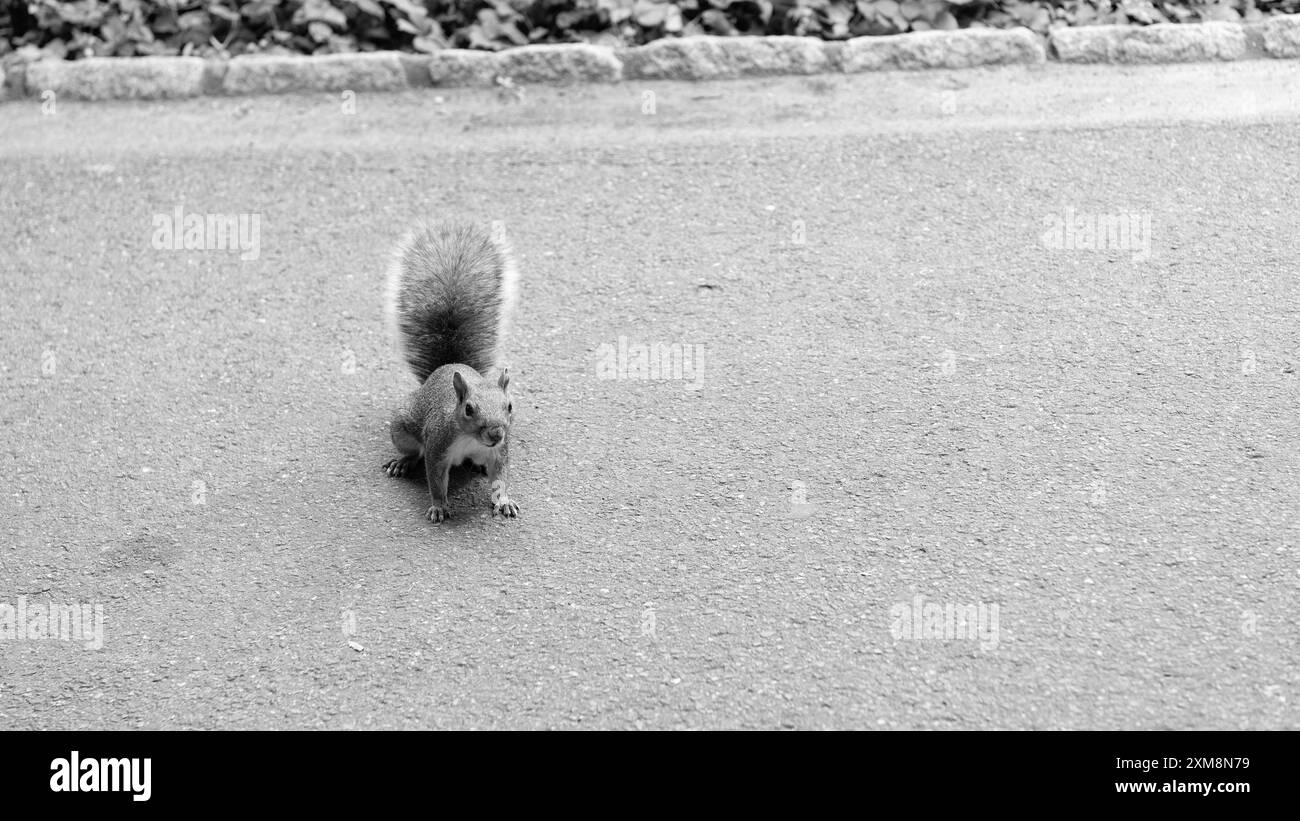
x=124, y=28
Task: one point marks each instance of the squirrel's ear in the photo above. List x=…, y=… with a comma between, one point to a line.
x=458, y=382
x=504, y=381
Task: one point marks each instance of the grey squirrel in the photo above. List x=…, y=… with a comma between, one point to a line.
x=452, y=289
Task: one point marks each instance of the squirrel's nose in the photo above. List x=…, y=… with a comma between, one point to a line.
x=495, y=435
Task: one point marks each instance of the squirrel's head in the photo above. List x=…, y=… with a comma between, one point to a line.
x=484, y=410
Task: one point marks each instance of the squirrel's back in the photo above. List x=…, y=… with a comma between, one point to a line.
x=451, y=291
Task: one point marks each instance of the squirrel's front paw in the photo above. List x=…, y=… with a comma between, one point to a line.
x=397, y=468
x=438, y=513
x=505, y=507
x=501, y=503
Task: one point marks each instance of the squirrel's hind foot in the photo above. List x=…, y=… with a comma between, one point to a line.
x=438, y=513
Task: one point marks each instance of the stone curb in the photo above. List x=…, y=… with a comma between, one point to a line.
x=1281, y=36
x=686, y=58
x=1162, y=43
x=109, y=78
x=963, y=48
x=578, y=63
x=712, y=58
x=378, y=71
x=462, y=67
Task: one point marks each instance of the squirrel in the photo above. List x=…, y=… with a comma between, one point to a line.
x=451, y=292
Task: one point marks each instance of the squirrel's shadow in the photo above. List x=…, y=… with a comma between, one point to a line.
x=458, y=477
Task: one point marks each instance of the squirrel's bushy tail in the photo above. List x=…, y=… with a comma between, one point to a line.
x=451, y=292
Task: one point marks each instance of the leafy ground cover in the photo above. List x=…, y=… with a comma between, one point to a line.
x=126, y=28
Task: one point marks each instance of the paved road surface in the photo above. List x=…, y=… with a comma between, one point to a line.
x=905, y=392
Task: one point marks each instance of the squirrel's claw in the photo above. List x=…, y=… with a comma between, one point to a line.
x=397, y=468
x=505, y=508
x=438, y=513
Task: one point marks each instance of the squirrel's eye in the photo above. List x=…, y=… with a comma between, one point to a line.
x=469, y=410
x=510, y=408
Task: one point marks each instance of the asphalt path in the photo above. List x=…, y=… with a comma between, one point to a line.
x=903, y=391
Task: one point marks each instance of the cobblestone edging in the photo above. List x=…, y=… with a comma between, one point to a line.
x=688, y=58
